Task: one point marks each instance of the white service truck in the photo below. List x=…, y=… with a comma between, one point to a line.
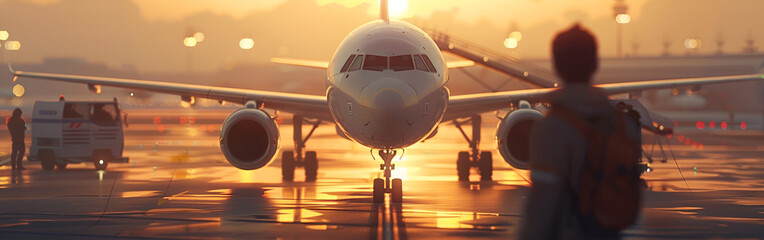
x=77, y=131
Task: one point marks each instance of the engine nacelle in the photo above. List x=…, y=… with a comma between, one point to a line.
x=249, y=138
x=513, y=135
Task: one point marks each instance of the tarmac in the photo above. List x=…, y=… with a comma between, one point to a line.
x=177, y=185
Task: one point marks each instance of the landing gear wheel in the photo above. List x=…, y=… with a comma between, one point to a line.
x=47, y=160
x=287, y=166
x=311, y=166
x=463, y=166
x=61, y=166
x=485, y=164
x=397, y=191
x=379, y=190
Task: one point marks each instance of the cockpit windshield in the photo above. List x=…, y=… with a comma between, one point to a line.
x=375, y=63
x=401, y=63
x=396, y=63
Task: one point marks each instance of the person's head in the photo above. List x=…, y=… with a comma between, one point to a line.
x=575, y=55
x=16, y=113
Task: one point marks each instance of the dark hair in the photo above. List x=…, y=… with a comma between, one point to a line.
x=575, y=55
x=16, y=112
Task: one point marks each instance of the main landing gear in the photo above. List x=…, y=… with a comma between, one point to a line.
x=300, y=158
x=474, y=158
x=382, y=186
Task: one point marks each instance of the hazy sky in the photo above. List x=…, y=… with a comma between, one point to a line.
x=147, y=34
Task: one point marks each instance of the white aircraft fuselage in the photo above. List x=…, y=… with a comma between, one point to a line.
x=386, y=85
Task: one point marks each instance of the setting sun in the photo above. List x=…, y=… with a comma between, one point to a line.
x=398, y=8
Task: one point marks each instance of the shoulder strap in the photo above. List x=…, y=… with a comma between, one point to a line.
x=575, y=121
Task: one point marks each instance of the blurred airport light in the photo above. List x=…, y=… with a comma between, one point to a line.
x=12, y=45
x=516, y=35
x=246, y=43
x=199, y=36
x=510, y=43
x=623, y=18
x=189, y=42
x=692, y=43
x=18, y=90
x=4, y=35
x=513, y=40
x=620, y=13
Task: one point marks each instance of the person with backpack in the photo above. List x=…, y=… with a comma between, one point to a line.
x=583, y=158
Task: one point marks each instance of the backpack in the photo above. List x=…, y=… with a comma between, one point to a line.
x=609, y=192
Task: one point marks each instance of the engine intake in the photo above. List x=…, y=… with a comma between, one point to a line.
x=513, y=135
x=249, y=139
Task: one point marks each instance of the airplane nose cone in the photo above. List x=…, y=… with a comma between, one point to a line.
x=388, y=100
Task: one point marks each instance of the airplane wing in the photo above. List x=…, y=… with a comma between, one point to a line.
x=307, y=105
x=324, y=64
x=470, y=104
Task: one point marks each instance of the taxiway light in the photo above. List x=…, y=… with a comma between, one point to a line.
x=18, y=90
x=189, y=42
x=4, y=35
x=623, y=18
x=246, y=43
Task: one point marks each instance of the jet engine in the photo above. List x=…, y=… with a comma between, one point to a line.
x=513, y=135
x=249, y=138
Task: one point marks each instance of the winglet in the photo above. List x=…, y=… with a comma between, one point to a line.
x=384, y=11
x=15, y=74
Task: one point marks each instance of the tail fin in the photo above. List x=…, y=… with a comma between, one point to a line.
x=384, y=12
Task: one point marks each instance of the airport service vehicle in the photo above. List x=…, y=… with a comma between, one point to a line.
x=386, y=91
x=76, y=131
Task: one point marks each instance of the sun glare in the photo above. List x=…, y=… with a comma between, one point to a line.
x=398, y=8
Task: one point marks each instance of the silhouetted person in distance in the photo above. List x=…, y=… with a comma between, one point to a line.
x=17, y=127
x=557, y=149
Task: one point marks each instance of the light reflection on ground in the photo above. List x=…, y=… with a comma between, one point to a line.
x=177, y=184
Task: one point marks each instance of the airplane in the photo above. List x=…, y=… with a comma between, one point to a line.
x=386, y=91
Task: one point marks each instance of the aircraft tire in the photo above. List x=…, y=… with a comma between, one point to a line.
x=463, y=166
x=287, y=166
x=311, y=166
x=397, y=191
x=379, y=190
x=485, y=164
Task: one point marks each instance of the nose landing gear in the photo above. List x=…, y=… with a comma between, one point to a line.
x=382, y=186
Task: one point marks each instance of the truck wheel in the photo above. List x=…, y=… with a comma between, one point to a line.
x=47, y=160
x=101, y=160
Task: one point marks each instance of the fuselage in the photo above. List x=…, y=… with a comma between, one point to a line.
x=386, y=85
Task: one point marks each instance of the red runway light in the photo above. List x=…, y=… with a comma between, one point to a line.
x=687, y=141
x=700, y=125
x=157, y=120
x=743, y=125
x=723, y=125
x=680, y=138
x=711, y=124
